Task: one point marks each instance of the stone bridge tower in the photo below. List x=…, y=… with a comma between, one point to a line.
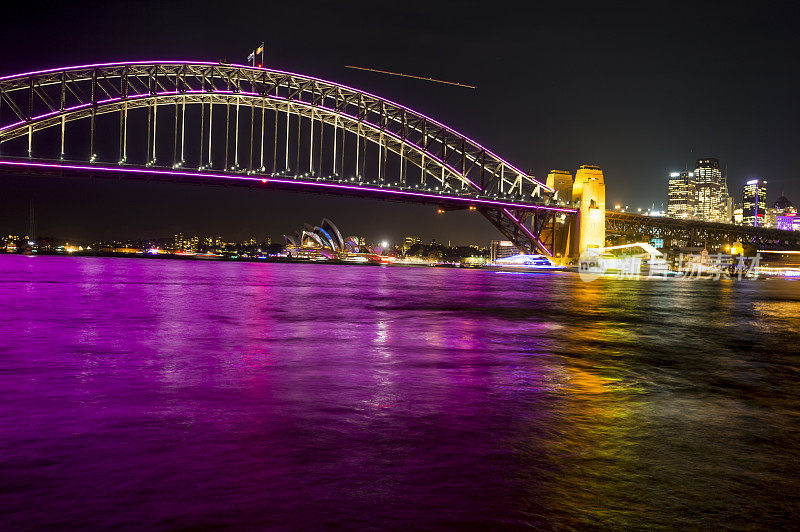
x=589, y=196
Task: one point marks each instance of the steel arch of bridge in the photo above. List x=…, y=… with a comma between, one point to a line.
x=450, y=164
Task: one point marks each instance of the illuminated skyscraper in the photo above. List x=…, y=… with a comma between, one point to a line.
x=784, y=207
x=755, y=203
x=682, y=199
x=500, y=249
x=182, y=243
x=786, y=214
x=712, y=191
x=738, y=214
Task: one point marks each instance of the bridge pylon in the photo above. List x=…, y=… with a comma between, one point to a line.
x=589, y=196
x=575, y=234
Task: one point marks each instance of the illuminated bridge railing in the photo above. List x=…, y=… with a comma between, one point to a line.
x=199, y=120
x=696, y=232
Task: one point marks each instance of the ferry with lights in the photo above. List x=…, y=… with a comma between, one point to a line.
x=523, y=262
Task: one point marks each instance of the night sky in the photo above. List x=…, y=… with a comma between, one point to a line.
x=639, y=88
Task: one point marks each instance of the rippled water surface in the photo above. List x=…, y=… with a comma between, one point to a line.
x=162, y=394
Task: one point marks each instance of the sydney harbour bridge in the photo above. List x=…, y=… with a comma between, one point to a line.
x=218, y=123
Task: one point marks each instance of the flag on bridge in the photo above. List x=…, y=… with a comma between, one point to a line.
x=252, y=56
x=260, y=48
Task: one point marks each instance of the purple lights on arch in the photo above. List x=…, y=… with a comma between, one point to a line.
x=113, y=64
x=145, y=96
x=292, y=183
x=474, y=143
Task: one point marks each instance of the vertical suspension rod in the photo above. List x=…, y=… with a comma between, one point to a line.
x=175, y=137
x=147, y=136
x=236, y=137
x=155, y=124
x=227, y=129
x=311, y=146
x=261, y=166
x=286, y=164
x=275, y=146
x=183, y=129
x=125, y=145
x=358, y=149
x=321, y=145
x=63, y=125
x=335, y=140
x=202, y=129
x=297, y=157
x=210, y=124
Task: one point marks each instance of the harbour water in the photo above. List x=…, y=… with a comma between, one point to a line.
x=171, y=395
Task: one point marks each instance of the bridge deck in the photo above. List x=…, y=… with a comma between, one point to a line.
x=450, y=200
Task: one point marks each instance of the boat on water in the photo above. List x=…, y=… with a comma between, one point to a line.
x=635, y=260
x=523, y=263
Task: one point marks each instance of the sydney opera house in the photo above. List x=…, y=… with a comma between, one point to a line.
x=325, y=242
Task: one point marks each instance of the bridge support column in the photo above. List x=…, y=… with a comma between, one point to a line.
x=589, y=195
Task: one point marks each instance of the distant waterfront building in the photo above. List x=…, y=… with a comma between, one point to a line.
x=682, y=197
x=754, y=205
x=771, y=218
x=785, y=222
x=190, y=244
x=561, y=181
x=213, y=243
x=783, y=206
x=322, y=242
x=737, y=214
x=786, y=214
x=729, y=210
x=712, y=190
x=499, y=249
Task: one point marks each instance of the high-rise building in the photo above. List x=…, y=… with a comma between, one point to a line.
x=770, y=218
x=783, y=206
x=785, y=222
x=786, y=213
x=682, y=198
x=182, y=243
x=499, y=249
x=212, y=243
x=729, y=210
x=712, y=191
x=754, y=205
x=411, y=240
x=738, y=214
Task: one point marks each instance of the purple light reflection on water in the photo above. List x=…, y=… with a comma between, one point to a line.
x=161, y=394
